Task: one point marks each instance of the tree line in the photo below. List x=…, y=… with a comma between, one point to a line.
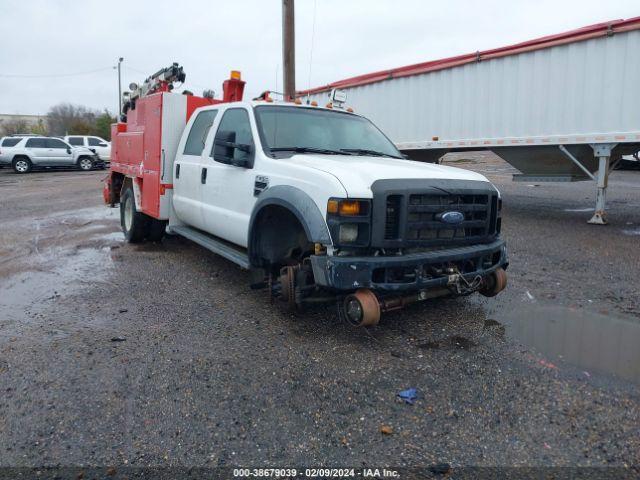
x=64, y=119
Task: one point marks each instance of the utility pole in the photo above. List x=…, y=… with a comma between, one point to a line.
x=119, y=90
x=288, y=50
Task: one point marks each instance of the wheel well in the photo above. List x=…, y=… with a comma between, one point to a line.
x=18, y=157
x=278, y=238
x=117, y=184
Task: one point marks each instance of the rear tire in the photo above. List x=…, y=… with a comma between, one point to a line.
x=85, y=164
x=157, y=229
x=21, y=165
x=135, y=225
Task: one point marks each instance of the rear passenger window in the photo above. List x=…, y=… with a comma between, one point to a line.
x=75, y=141
x=199, y=131
x=10, y=142
x=36, y=143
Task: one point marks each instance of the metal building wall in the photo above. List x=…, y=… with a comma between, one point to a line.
x=585, y=88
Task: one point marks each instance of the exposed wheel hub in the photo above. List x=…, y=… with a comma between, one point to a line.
x=287, y=281
x=494, y=283
x=362, y=308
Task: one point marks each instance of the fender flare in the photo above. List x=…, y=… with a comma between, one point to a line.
x=300, y=205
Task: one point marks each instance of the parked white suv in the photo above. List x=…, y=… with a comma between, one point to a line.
x=96, y=144
x=26, y=153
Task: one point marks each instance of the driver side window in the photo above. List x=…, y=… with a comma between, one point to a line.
x=234, y=128
x=55, y=143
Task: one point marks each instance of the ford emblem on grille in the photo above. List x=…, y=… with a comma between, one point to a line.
x=452, y=218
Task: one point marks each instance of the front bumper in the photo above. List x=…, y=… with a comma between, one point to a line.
x=416, y=271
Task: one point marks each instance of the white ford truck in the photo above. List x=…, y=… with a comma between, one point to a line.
x=317, y=202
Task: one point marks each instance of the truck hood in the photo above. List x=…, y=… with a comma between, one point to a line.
x=357, y=173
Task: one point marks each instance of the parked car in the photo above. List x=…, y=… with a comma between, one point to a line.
x=27, y=153
x=96, y=144
x=629, y=162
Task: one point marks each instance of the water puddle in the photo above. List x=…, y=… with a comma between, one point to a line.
x=592, y=341
x=58, y=256
x=586, y=209
x=633, y=232
x=28, y=293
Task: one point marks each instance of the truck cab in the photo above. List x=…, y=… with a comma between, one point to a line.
x=317, y=203
x=296, y=183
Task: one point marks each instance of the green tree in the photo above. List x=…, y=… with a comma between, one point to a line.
x=39, y=128
x=102, y=126
x=80, y=126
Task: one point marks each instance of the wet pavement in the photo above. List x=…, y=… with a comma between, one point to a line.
x=159, y=354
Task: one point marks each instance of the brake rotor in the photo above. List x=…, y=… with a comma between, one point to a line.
x=497, y=283
x=362, y=308
x=287, y=281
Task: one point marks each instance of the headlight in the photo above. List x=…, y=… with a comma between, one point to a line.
x=349, y=221
x=348, y=207
x=348, y=233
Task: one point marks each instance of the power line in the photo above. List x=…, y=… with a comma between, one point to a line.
x=53, y=75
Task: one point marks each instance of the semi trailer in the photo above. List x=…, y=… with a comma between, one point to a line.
x=316, y=202
x=561, y=108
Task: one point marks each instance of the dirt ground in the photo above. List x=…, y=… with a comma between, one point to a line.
x=159, y=354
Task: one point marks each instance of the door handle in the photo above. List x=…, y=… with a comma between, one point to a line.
x=178, y=170
x=203, y=175
x=162, y=176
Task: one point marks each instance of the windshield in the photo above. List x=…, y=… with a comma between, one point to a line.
x=290, y=130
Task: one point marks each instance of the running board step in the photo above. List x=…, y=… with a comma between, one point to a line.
x=219, y=247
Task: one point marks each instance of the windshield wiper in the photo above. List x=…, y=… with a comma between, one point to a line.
x=364, y=151
x=325, y=151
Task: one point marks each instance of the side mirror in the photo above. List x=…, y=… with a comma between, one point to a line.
x=68, y=150
x=224, y=147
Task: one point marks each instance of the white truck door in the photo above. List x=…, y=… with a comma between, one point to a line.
x=188, y=176
x=227, y=194
x=100, y=146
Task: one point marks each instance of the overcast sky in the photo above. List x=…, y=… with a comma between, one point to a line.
x=211, y=37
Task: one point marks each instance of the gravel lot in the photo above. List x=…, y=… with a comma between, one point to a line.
x=159, y=354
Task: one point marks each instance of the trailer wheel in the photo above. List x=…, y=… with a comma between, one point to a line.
x=156, y=229
x=21, y=165
x=135, y=225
